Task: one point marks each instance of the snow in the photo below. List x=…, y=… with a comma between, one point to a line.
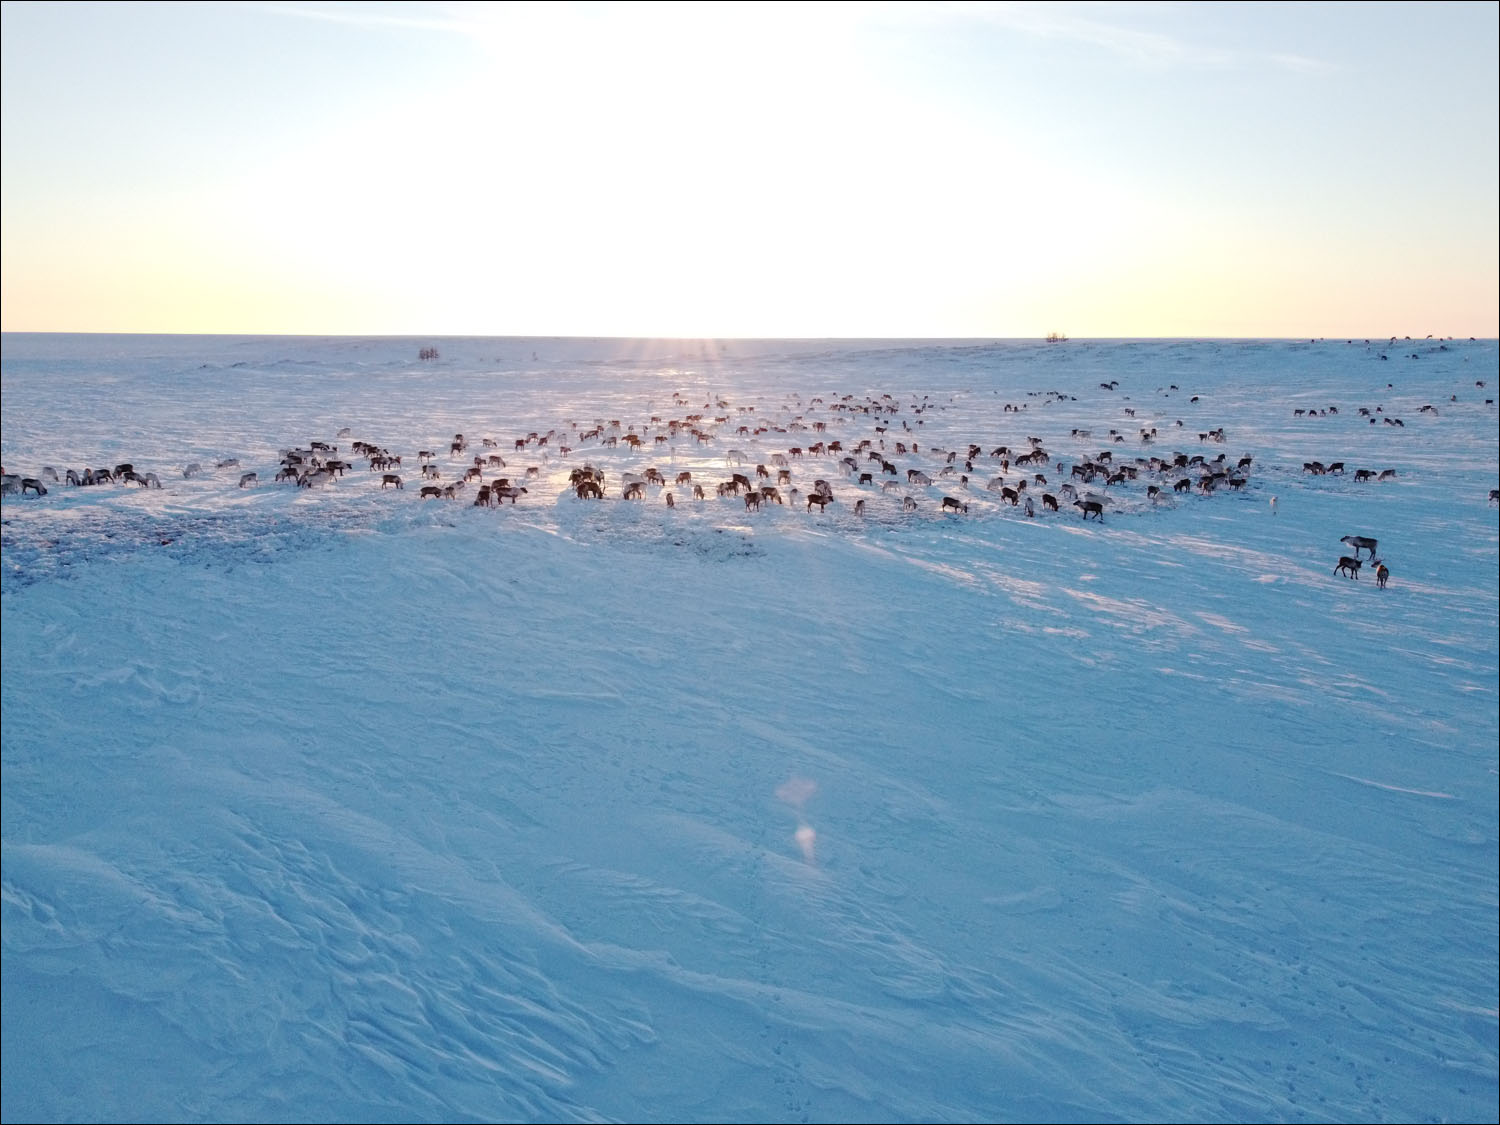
x=339, y=804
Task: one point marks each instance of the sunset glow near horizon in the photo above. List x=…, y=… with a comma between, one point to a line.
x=891, y=170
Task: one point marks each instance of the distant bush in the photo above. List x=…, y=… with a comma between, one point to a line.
x=427, y=353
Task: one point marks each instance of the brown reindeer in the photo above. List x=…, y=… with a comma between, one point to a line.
x=1090, y=508
x=821, y=499
x=950, y=504
x=1348, y=566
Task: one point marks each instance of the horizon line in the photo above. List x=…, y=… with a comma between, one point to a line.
x=607, y=336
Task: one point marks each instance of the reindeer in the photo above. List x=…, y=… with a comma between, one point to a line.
x=951, y=504
x=1382, y=573
x=1348, y=566
x=1359, y=543
x=247, y=479
x=389, y=479
x=1090, y=507
x=821, y=499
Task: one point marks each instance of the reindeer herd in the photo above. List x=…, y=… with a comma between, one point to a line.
x=874, y=466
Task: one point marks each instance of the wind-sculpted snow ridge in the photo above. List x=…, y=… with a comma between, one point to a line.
x=336, y=803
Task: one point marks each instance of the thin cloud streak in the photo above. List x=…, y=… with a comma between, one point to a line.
x=1046, y=21
x=1146, y=48
x=355, y=17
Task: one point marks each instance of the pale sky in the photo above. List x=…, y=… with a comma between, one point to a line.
x=945, y=170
